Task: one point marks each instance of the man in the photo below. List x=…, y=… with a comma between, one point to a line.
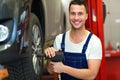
x=81, y=48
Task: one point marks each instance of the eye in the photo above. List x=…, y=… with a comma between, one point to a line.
x=80, y=13
x=73, y=13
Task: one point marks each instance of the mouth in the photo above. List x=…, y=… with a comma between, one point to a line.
x=77, y=22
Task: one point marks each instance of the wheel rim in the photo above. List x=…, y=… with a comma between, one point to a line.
x=36, y=48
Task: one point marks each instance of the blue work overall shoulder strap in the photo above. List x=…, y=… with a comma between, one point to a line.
x=63, y=42
x=86, y=43
x=84, y=47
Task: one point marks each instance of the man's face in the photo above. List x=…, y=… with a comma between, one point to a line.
x=77, y=16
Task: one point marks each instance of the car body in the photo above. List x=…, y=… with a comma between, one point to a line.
x=17, y=22
x=11, y=12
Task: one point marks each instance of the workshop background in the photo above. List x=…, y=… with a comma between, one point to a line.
x=104, y=21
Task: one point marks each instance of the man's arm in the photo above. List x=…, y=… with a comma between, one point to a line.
x=87, y=74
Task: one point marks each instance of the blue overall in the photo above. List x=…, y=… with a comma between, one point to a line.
x=76, y=60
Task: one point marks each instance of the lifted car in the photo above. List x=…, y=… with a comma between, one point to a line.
x=26, y=28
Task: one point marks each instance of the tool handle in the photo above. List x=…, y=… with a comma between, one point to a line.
x=57, y=58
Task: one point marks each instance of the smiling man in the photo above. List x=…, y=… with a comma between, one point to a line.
x=82, y=49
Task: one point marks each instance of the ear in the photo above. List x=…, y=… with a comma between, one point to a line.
x=86, y=16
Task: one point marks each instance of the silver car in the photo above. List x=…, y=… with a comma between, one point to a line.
x=26, y=28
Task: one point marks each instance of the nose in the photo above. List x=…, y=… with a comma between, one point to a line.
x=76, y=17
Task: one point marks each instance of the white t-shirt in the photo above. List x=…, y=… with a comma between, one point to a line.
x=94, y=49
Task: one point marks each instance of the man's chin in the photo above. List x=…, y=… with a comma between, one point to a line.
x=76, y=28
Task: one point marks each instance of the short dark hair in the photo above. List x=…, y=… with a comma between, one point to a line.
x=79, y=2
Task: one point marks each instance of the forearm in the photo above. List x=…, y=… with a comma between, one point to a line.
x=86, y=74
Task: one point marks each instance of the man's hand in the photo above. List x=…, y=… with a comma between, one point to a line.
x=53, y=66
x=50, y=52
x=57, y=67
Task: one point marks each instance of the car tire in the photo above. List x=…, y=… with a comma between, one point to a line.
x=29, y=67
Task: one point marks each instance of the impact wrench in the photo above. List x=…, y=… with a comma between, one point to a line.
x=57, y=58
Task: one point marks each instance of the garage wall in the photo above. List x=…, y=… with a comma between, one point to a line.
x=112, y=22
